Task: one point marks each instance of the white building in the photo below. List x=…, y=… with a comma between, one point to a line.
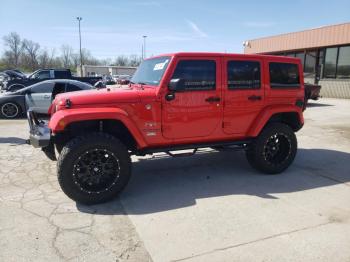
x=93, y=70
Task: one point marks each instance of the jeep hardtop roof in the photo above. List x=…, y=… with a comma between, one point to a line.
x=216, y=54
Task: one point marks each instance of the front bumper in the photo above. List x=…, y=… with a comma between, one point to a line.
x=39, y=132
x=40, y=135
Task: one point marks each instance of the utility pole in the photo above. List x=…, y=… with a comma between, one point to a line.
x=81, y=57
x=144, y=47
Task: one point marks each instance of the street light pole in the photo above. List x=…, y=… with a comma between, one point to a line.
x=81, y=57
x=144, y=47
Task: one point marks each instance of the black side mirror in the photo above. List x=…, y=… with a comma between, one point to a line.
x=176, y=85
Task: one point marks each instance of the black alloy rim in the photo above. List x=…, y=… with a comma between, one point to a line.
x=96, y=171
x=277, y=149
x=9, y=110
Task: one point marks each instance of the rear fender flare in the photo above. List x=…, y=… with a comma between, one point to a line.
x=261, y=120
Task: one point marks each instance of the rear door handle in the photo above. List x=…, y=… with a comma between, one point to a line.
x=254, y=98
x=46, y=96
x=212, y=99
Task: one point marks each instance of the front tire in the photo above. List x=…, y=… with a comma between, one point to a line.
x=93, y=168
x=274, y=149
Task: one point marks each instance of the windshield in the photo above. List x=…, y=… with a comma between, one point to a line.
x=150, y=71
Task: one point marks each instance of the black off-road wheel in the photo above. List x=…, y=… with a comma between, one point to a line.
x=273, y=150
x=93, y=168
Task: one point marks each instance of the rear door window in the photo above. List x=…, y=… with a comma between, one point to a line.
x=243, y=75
x=284, y=75
x=45, y=74
x=71, y=88
x=197, y=74
x=61, y=74
x=42, y=88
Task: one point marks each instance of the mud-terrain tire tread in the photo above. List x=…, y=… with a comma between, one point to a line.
x=69, y=153
x=254, y=152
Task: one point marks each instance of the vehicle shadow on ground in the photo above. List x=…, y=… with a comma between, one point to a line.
x=317, y=104
x=163, y=183
x=12, y=140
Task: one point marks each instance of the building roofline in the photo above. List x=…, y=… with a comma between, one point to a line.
x=296, y=32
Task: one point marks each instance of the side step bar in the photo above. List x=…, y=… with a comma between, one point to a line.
x=239, y=144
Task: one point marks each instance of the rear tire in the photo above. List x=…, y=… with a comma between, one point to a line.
x=273, y=150
x=93, y=168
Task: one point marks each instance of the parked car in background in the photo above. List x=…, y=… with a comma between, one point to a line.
x=108, y=80
x=7, y=75
x=115, y=78
x=40, y=75
x=3, y=78
x=37, y=97
x=123, y=80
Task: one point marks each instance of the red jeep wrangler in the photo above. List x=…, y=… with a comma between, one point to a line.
x=174, y=102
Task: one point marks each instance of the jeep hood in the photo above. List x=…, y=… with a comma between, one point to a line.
x=99, y=96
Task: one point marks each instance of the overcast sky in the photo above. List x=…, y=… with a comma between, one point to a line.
x=111, y=28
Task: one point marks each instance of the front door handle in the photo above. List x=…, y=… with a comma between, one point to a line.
x=170, y=96
x=212, y=99
x=254, y=98
x=47, y=96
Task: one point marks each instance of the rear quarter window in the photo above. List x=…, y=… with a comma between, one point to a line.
x=284, y=75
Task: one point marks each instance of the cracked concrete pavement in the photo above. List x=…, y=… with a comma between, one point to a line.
x=208, y=207
x=39, y=223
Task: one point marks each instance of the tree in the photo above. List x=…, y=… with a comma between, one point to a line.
x=14, y=44
x=134, y=60
x=28, y=56
x=75, y=58
x=31, y=49
x=121, y=60
x=66, y=56
x=43, y=59
x=88, y=59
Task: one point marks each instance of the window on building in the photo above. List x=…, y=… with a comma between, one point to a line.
x=301, y=56
x=343, y=69
x=197, y=74
x=284, y=75
x=330, y=65
x=310, y=62
x=243, y=74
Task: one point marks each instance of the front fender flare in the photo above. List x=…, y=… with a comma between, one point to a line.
x=60, y=119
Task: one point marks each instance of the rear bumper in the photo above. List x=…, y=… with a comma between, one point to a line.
x=315, y=94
